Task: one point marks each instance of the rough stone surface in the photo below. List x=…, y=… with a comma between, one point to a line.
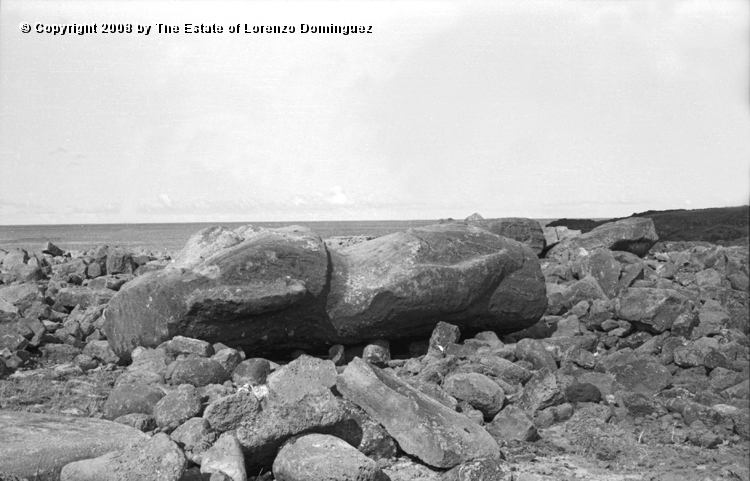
x=478, y=390
x=225, y=457
x=485, y=469
x=252, y=371
x=303, y=375
x=635, y=235
x=263, y=434
x=197, y=371
x=398, y=285
x=158, y=459
x=131, y=398
x=512, y=423
x=177, y=407
x=322, y=457
x=41, y=444
x=227, y=412
x=422, y=426
x=656, y=308
x=642, y=375
x=264, y=290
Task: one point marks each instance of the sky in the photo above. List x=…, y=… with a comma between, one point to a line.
x=541, y=109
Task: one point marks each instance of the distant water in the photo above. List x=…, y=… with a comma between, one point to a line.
x=172, y=237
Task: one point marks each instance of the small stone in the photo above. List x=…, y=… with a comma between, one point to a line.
x=582, y=392
x=227, y=412
x=377, y=353
x=442, y=335
x=225, y=457
x=177, y=407
x=512, y=423
x=319, y=456
x=251, y=371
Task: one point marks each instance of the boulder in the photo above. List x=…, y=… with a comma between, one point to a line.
x=52, y=249
x=84, y=296
x=14, y=258
x=177, y=407
x=422, y=426
x=513, y=424
x=525, y=231
x=37, y=446
x=323, y=457
x=226, y=413
x=131, y=398
x=657, y=309
x=225, y=457
x=158, y=459
x=397, y=286
x=478, y=390
x=302, y=376
x=270, y=291
x=264, y=290
x=197, y=371
x=635, y=235
x=485, y=469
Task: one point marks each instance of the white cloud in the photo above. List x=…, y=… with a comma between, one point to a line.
x=164, y=199
x=337, y=196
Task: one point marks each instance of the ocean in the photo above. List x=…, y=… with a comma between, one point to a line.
x=172, y=237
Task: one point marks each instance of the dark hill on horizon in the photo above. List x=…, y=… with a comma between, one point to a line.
x=716, y=225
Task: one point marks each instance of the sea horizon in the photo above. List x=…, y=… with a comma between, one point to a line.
x=172, y=236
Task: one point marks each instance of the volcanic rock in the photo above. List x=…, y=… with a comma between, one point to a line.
x=37, y=446
x=634, y=234
x=422, y=426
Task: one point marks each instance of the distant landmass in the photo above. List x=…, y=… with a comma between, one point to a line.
x=717, y=225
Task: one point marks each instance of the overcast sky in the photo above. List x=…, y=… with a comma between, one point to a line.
x=533, y=109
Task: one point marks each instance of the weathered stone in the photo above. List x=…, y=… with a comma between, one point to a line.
x=197, y=371
x=59, y=353
x=120, y=261
x=186, y=345
x=84, y=296
x=304, y=375
x=20, y=296
x=225, y=457
x=131, y=398
x=37, y=446
x=476, y=389
x=485, y=469
x=263, y=291
x=582, y=392
x=496, y=367
x=13, y=258
x=443, y=335
x=634, y=234
x=422, y=426
x=603, y=267
x=526, y=231
x=642, y=375
x=177, y=407
x=365, y=434
x=140, y=421
x=52, y=249
x=157, y=459
x=263, y=434
x=190, y=433
x=226, y=413
x=252, y=371
x=512, y=424
x=656, y=308
x=377, y=353
x=322, y=457
x=100, y=350
x=542, y=391
x=533, y=351
x=228, y=358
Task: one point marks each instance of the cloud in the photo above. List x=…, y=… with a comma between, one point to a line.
x=164, y=199
x=337, y=196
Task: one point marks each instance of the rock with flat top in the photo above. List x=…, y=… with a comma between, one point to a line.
x=37, y=446
x=424, y=428
x=158, y=459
